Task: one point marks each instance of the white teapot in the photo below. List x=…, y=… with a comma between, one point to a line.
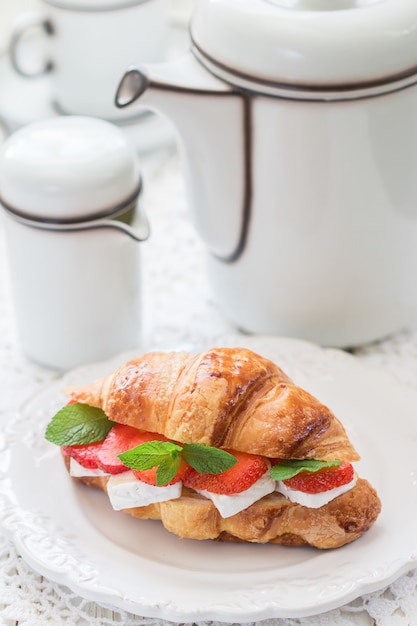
x=298, y=129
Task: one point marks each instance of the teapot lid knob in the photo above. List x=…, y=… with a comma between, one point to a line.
x=67, y=169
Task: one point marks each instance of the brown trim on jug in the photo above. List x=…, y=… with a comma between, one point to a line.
x=43, y=222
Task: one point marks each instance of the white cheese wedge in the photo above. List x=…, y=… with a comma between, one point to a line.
x=78, y=471
x=230, y=505
x=125, y=491
x=313, y=500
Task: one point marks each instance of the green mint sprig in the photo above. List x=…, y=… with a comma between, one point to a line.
x=161, y=454
x=289, y=468
x=167, y=456
x=77, y=424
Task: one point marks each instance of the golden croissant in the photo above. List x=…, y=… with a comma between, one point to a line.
x=233, y=399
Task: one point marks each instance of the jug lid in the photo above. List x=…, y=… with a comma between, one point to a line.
x=307, y=44
x=68, y=168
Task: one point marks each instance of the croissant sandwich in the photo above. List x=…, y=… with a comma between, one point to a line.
x=220, y=445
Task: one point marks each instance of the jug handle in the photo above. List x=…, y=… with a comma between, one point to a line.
x=161, y=87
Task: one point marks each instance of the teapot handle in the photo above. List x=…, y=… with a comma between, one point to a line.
x=29, y=21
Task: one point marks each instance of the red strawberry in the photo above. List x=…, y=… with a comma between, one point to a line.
x=149, y=476
x=248, y=469
x=85, y=455
x=323, y=480
x=120, y=439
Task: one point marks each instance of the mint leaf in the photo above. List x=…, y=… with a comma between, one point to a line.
x=161, y=454
x=289, y=468
x=77, y=424
x=149, y=454
x=167, y=471
x=206, y=459
x=166, y=456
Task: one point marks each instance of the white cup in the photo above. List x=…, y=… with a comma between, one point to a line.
x=87, y=45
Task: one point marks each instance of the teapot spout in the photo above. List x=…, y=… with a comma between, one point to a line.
x=214, y=135
x=133, y=84
x=183, y=75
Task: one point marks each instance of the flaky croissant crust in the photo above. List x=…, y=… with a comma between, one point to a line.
x=225, y=397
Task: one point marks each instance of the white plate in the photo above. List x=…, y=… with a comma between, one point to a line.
x=70, y=534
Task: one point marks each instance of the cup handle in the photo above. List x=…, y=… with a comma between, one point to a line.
x=19, y=31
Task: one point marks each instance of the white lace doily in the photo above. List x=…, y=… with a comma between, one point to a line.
x=178, y=309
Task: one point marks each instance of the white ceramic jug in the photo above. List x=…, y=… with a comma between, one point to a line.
x=69, y=188
x=298, y=128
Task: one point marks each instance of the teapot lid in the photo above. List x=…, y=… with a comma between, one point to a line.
x=307, y=45
x=68, y=168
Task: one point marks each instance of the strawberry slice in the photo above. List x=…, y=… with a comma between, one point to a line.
x=323, y=480
x=120, y=439
x=85, y=455
x=149, y=476
x=248, y=469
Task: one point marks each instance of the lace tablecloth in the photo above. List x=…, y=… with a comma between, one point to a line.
x=178, y=309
